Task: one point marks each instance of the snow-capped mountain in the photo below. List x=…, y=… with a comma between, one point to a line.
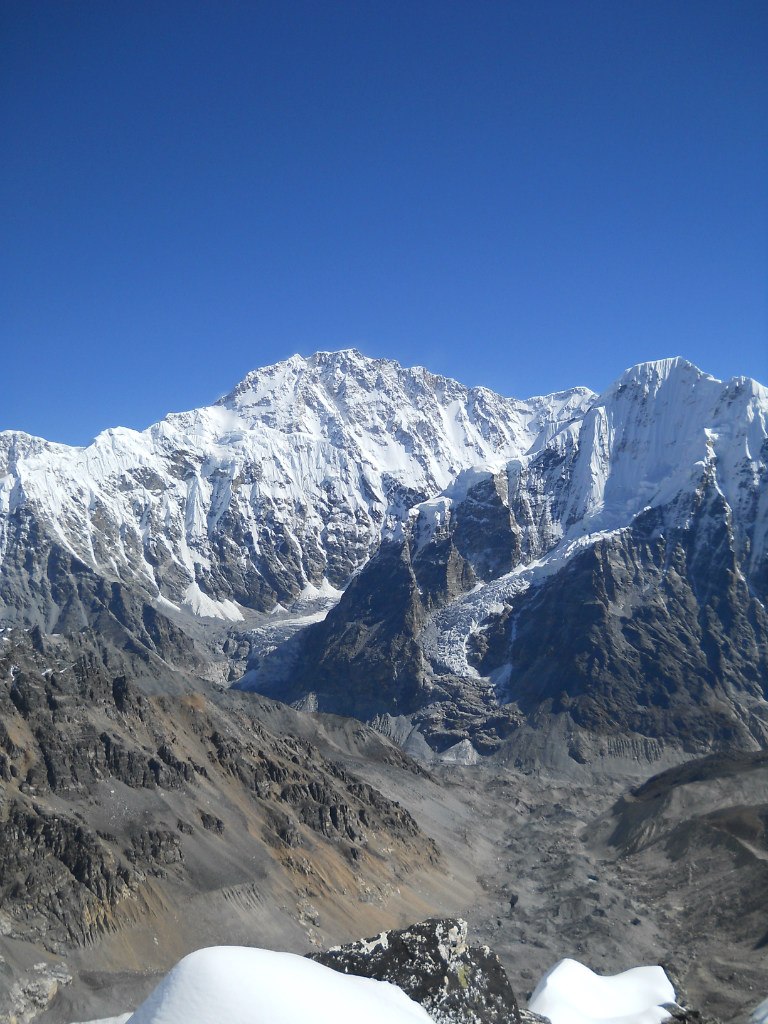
x=602, y=558
x=283, y=486
x=617, y=574
x=650, y=441
x=576, y=584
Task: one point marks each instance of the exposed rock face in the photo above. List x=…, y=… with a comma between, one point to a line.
x=433, y=964
x=115, y=803
x=375, y=645
x=613, y=580
x=693, y=843
x=46, y=586
x=34, y=991
x=632, y=638
x=681, y=1015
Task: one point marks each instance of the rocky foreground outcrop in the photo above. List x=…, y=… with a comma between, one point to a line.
x=455, y=982
x=434, y=964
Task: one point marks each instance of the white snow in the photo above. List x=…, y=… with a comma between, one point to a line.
x=325, y=590
x=325, y=594
x=240, y=985
x=202, y=604
x=243, y=985
x=760, y=1013
x=570, y=993
x=311, y=454
x=462, y=752
x=110, y=1020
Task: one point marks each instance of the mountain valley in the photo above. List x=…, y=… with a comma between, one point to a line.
x=356, y=646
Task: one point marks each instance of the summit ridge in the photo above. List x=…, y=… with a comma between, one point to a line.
x=287, y=481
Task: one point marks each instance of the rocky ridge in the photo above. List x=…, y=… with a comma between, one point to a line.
x=611, y=584
x=455, y=982
x=433, y=963
x=121, y=809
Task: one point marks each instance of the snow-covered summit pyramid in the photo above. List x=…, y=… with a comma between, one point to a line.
x=284, y=485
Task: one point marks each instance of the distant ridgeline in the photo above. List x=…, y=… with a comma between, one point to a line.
x=573, y=577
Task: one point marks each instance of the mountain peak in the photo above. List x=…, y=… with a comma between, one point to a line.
x=656, y=372
x=300, y=469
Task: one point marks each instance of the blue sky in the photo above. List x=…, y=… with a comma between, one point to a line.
x=522, y=195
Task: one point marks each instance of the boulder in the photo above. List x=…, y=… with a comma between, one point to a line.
x=432, y=963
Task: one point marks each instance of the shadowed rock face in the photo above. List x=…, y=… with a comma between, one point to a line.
x=432, y=962
x=683, y=1015
x=375, y=646
x=632, y=636
x=646, y=632
x=692, y=842
x=45, y=586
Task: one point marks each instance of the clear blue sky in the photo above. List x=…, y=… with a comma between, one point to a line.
x=526, y=195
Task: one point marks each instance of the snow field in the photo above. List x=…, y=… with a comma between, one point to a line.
x=570, y=993
x=240, y=985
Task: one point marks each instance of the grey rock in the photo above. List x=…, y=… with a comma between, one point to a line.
x=434, y=965
x=635, y=637
x=112, y=800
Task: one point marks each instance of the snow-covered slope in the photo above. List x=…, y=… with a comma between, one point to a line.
x=650, y=441
x=656, y=446
x=626, y=557
x=283, y=484
x=242, y=985
x=570, y=993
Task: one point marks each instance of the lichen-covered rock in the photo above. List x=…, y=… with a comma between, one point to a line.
x=432, y=962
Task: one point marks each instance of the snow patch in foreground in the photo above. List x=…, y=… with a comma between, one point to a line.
x=570, y=993
x=239, y=985
x=122, y=1019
